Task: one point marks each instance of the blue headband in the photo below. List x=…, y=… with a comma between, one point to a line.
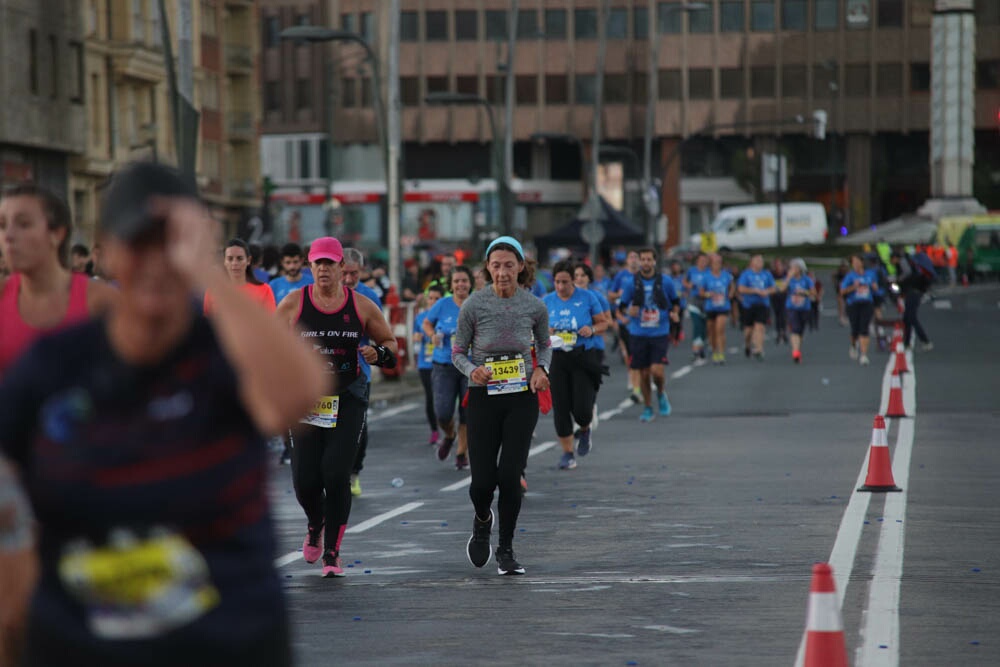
x=506, y=240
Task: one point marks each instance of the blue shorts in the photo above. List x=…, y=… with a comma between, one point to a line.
x=647, y=351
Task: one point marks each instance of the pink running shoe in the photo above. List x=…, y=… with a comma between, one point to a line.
x=312, y=547
x=331, y=565
x=435, y=436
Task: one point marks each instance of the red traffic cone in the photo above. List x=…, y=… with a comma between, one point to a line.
x=879, y=466
x=895, y=409
x=901, y=366
x=824, y=627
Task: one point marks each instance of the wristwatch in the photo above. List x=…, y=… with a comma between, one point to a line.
x=545, y=369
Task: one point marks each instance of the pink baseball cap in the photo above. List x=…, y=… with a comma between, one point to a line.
x=326, y=247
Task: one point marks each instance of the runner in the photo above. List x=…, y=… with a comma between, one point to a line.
x=237, y=263
x=577, y=317
x=492, y=347
x=583, y=277
x=755, y=286
x=149, y=487
x=334, y=319
x=778, y=298
x=652, y=305
x=425, y=356
x=693, y=280
x=914, y=283
x=292, y=277
x=856, y=288
x=625, y=277
x=443, y=281
x=717, y=289
x=449, y=383
x=801, y=293
x=677, y=277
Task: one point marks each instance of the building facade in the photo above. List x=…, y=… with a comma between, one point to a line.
x=733, y=80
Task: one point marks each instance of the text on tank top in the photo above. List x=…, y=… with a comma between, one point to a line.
x=16, y=334
x=335, y=336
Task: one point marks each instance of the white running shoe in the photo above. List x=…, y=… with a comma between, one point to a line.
x=864, y=360
x=853, y=352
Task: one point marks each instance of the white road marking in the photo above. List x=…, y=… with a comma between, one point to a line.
x=681, y=372
x=465, y=481
x=669, y=629
x=392, y=412
x=942, y=304
x=622, y=407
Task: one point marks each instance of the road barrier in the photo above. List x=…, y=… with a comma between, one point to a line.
x=879, y=477
x=825, y=645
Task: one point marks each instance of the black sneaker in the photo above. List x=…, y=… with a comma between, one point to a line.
x=478, y=549
x=506, y=563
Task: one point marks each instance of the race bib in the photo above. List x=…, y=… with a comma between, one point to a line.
x=798, y=300
x=323, y=413
x=428, y=350
x=862, y=291
x=138, y=588
x=718, y=300
x=508, y=374
x=568, y=338
x=650, y=319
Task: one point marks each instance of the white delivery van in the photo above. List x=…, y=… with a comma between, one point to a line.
x=753, y=226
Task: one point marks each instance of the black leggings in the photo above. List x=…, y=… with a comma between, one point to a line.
x=573, y=390
x=425, y=380
x=860, y=315
x=321, y=469
x=359, y=457
x=911, y=307
x=780, y=316
x=500, y=429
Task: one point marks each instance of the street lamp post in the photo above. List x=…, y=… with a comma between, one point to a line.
x=445, y=98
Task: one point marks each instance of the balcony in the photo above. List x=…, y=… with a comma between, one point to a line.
x=239, y=59
x=242, y=189
x=240, y=126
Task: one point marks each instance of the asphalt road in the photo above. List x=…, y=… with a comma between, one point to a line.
x=690, y=541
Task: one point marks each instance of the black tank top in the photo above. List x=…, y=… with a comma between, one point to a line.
x=334, y=336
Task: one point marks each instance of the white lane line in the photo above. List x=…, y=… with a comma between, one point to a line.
x=293, y=556
x=880, y=629
x=392, y=412
x=465, y=481
x=622, y=407
x=942, y=304
x=681, y=372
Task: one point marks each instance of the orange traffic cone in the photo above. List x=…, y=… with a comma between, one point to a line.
x=879, y=466
x=824, y=628
x=895, y=409
x=901, y=366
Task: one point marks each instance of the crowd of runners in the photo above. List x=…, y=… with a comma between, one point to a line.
x=146, y=391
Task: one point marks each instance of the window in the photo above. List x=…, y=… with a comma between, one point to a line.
x=793, y=81
x=91, y=19
x=700, y=20
x=731, y=83
x=348, y=93
x=921, y=12
x=731, y=16
x=668, y=18
x=436, y=28
x=272, y=96
x=585, y=89
x=669, y=84
x=640, y=23
x=857, y=80
x=616, y=88
x=210, y=91
x=155, y=29
x=409, y=28
x=495, y=87
x=437, y=84
x=890, y=13
x=762, y=82
x=409, y=91
x=324, y=159
x=555, y=24
x=889, y=79
x=303, y=93
x=585, y=23
x=825, y=15
x=303, y=19
x=987, y=13
x=466, y=25
x=988, y=74
x=138, y=22
x=920, y=77
x=209, y=25
x=762, y=15
x=467, y=85
x=368, y=27
x=617, y=27
x=210, y=160
x=527, y=25
x=54, y=69
x=700, y=84
x=77, y=84
x=305, y=158
x=556, y=89
x=348, y=23
x=640, y=88
x=366, y=93
x=793, y=15
x=272, y=31
x=825, y=77
x=496, y=24
x=95, y=113
x=526, y=89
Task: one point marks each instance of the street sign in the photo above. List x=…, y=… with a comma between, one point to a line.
x=592, y=232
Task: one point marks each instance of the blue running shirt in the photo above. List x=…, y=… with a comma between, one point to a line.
x=798, y=297
x=651, y=321
x=717, y=289
x=444, y=318
x=756, y=280
x=567, y=317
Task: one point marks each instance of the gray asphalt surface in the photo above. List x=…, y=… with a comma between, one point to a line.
x=688, y=541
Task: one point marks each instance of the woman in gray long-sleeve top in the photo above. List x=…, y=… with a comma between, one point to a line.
x=492, y=346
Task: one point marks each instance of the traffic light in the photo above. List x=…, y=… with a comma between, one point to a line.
x=819, y=124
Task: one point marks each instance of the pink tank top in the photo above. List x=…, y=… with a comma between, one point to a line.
x=16, y=335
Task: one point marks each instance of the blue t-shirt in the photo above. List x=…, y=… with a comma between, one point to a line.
x=696, y=278
x=651, y=320
x=601, y=286
x=679, y=288
x=571, y=315
x=606, y=306
x=756, y=280
x=865, y=284
x=261, y=275
x=796, y=301
x=365, y=290
x=717, y=290
x=444, y=318
x=281, y=286
x=622, y=278
x=876, y=275
x=425, y=349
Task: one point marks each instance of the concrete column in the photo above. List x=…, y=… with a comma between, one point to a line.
x=859, y=181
